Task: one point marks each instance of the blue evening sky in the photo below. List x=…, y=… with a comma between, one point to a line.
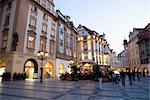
x=116, y=18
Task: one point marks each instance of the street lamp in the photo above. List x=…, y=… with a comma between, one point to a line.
x=42, y=56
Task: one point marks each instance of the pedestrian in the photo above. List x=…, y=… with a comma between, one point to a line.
x=138, y=76
x=130, y=77
x=123, y=77
x=133, y=74
x=114, y=78
x=100, y=79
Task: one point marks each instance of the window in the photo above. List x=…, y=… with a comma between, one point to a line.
x=45, y=17
x=44, y=3
x=31, y=42
x=9, y=6
x=4, y=40
x=85, y=55
x=53, y=32
x=33, y=9
x=52, y=45
x=7, y=20
x=43, y=43
x=49, y=7
x=85, y=45
x=33, y=21
x=44, y=28
x=31, y=39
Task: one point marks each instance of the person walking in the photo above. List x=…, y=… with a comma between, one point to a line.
x=114, y=78
x=133, y=74
x=123, y=76
x=130, y=77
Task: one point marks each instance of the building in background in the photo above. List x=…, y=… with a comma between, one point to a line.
x=144, y=47
x=133, y=49
x=92, y=49
x=66, y=44
x=27, y=26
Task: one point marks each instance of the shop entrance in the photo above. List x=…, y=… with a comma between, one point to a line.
x=31, y=69
x=48, y=70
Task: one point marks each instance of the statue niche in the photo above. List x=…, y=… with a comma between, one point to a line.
x=15, y=38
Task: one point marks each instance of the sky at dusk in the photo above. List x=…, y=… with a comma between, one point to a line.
x=116, y=18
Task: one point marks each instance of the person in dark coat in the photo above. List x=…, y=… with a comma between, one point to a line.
x=133, y=74
x=123, y=76
x=130, y=77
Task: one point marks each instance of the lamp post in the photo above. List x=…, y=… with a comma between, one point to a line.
x=42, y=56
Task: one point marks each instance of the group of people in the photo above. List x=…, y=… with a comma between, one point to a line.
x=121, y=76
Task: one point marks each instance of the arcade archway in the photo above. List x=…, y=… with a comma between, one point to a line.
x=48, y=70
x=31, y=69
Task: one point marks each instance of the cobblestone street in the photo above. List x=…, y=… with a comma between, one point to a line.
x=54, y=89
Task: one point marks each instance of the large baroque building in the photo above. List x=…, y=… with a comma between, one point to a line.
x=66, y=44
x=92, y=49
x=26, y=27
x=144, y=46
x=133, y=48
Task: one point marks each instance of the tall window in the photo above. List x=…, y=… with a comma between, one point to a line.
x=43, y=43
x=4, y=40
x=44, y=28
x=9, y=6
x=31, y=42
x=45, y=17
x=31, y=39
x=53, y=32
x=33, y=21
x=52, y=45
x=85, y=45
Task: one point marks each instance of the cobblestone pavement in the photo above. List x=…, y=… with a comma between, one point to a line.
x=53, y=89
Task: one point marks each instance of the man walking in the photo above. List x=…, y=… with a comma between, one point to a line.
x=123, y=76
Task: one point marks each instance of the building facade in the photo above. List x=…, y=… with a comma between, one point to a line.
x=27, y=26
x=144, y=46
x=66, y=44
x=92, y=49
x=133, y=49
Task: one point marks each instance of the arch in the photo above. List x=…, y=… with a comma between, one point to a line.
x=2, y=67
x=61, y=69
x=48, y=70
x=31, y=68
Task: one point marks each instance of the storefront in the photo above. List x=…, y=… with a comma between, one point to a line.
x=31, y=69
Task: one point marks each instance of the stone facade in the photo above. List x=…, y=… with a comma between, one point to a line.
x=34, y=22
x=92, y=49
x=66, y=44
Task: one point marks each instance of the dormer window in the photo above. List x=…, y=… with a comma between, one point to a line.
x=44, y=3
x=49, y=7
